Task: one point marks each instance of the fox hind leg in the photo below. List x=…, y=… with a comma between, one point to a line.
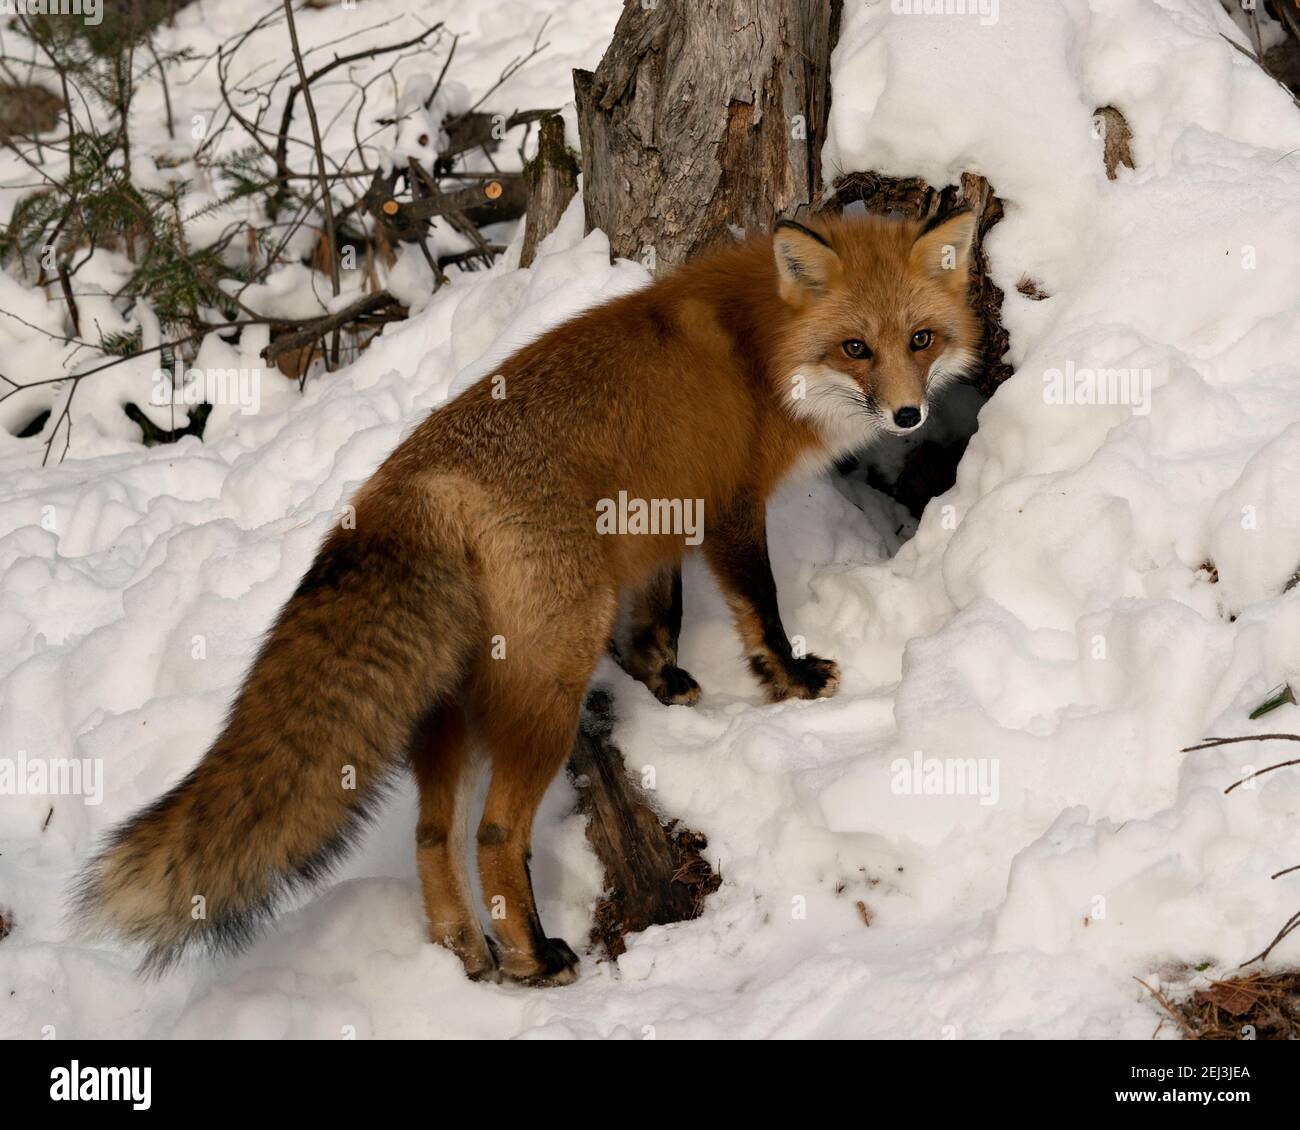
x=647, y=649
x=526, y=755
x=528, y=709
x=443, y=768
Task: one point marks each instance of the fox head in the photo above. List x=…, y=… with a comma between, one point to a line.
x=879, y=320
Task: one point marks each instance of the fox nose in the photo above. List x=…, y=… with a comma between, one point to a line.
x=907, y=418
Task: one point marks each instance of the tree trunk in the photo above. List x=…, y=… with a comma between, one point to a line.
x=702, y=118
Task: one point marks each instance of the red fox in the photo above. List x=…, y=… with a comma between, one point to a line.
x=470, y=604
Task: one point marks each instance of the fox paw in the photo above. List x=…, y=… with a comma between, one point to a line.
x=489, y=973
x=806, y=676
x=555, y=963
x=477, y=952
x=674, y=687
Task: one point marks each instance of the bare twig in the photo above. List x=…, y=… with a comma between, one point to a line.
x=326, y=202
x=1260, y=63
x=1211, y=743
x=442, y=74
x=317, y=327
x=167, y=96
x=303, y=85
x=515, y=65
x=65, y=283
x=1164, y=1003
x=1292, y=924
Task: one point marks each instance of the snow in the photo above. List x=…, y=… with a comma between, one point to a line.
x=1043, y=647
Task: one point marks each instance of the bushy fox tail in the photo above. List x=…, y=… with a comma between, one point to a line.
x=379, y=632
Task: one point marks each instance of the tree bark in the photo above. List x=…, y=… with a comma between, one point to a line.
x=1117, y=139
x=654, y=872
x=552, y=181
x=702, y=118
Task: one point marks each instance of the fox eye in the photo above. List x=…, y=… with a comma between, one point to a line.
x=856, y=348
x=921, y=340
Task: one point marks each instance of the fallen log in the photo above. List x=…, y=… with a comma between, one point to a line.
x=654, y=872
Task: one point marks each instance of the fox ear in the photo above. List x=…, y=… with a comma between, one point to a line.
x=805, y=263
x=943, y=249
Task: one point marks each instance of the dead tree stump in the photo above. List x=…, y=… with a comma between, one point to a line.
x=552, y=181
x=704, y=117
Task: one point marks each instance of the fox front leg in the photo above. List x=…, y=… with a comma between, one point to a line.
x=735, y=544
x=646, y=645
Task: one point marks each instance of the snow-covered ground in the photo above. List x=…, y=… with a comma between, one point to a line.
x=1051, y=627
